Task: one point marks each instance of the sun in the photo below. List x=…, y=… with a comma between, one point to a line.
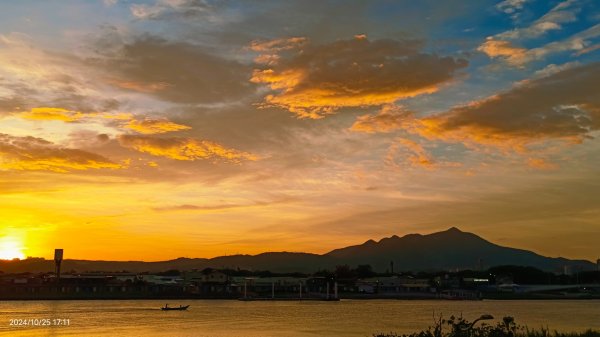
x=11, y=248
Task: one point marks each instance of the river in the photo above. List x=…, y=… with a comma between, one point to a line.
x=264, y=319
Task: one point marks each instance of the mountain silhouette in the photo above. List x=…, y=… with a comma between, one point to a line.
x=452, y=249
x=448, y=250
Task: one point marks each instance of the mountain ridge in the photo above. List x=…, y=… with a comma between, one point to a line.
x=451, y=249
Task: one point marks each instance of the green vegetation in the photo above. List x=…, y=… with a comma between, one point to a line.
x=460, y=327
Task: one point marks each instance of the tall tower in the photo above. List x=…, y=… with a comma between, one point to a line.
x=58, y=257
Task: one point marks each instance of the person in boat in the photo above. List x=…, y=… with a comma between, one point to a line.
x=166, y=305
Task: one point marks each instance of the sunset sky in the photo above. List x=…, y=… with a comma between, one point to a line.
x=152, y=130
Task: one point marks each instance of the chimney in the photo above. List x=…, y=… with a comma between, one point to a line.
x=58, y=257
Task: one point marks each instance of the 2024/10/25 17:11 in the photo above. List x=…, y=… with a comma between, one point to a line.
x=39, y=322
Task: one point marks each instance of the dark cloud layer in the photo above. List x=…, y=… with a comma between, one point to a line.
x=563, y=105
x=177, y=72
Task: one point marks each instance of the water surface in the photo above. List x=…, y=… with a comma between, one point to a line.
x=290, y=319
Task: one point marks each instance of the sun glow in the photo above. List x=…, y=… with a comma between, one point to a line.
x=11, y=248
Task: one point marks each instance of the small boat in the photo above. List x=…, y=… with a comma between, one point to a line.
x=180, y=308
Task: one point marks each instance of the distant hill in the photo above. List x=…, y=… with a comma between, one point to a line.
x=448, y=250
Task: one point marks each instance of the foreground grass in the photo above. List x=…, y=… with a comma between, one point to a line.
x=460, y=327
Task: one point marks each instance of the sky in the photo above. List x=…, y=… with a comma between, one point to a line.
x=151, y=130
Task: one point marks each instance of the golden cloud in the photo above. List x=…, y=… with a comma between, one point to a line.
x=48, y=113
x=153, y=126
x=67, y=115
x=36, y=154
x=315, y=80
x=183, y=148
x=59, y=165
x=124, y=120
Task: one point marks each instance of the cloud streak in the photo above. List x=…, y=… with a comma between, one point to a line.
x=562, y=13
x=164, y=9
x=150, y=126
x=146, y=125
x=48, y=113
x=415, y=154
x=185, y=149
x=36, y=154
x=501, y=46
x=390, y=118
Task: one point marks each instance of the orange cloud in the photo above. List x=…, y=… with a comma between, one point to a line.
x=473, y=136
x=284, y=80
x=47, y=113
x=66, y=115
x=183, y=148
x=315, y=80
x=153, y=126
x=515, y=56
x=36, y=154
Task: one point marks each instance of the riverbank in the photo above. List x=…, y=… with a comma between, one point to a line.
x=342, y=297
x=506, y=327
